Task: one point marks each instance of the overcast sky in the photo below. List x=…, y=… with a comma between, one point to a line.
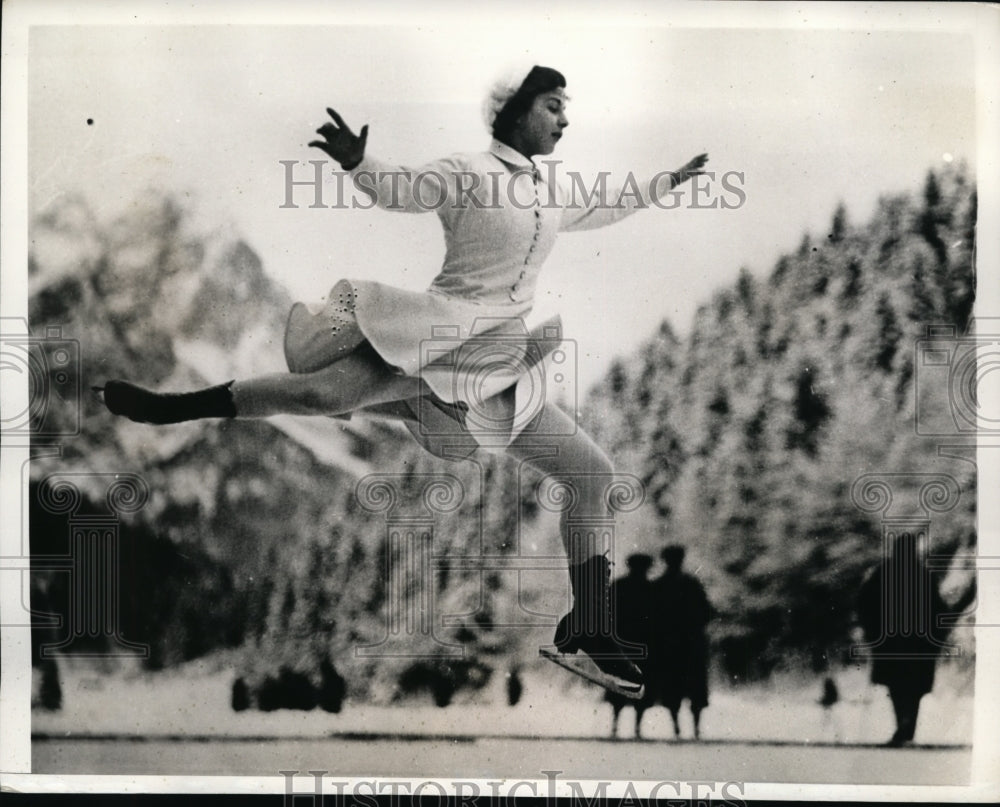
x=809, y=117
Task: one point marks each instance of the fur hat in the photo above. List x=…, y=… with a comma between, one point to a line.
x=512, y=93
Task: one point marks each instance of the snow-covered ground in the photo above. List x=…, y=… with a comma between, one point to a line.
x=194, y=701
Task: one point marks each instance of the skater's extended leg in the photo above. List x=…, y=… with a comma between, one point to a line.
x=579, y=474
x=359, y=379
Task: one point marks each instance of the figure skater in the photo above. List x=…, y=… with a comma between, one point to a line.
x=363, y=351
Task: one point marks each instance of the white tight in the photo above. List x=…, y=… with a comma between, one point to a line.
x=578, y=474
x=359, y=379
x=576, y=471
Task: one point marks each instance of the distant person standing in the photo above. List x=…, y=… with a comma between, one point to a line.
x=900, y=610
x=829, y=700
x=515, y=686
x=678, y=641
x=632, y=601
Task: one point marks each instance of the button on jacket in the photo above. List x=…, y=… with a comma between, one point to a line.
x=500, y=212
x=467, y=336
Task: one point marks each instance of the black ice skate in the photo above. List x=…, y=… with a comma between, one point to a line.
x=144, y=406
x=585, y=638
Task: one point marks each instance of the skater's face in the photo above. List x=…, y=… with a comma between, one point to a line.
x=541, y=127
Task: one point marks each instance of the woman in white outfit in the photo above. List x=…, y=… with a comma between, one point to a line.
x=457, y=357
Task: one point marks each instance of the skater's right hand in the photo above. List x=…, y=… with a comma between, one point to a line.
x=340, y=142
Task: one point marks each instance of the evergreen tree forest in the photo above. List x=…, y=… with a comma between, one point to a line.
x=750, y=433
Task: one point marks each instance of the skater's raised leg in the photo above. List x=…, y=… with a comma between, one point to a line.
x=144, y=406
x=359, y=379
x=569, y=459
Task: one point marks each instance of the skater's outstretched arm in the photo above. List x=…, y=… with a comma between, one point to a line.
x=396, y=188
x=671, y=180
x=602, y=209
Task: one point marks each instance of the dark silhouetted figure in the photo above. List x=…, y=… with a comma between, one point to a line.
x=437, y=677
x=332, y=688
x=678, y=645
x=292, y=690
x=831, y=695
x=829, y=699
x=443, y=679
x=632, y=604
x=50, y=691
x=515, y=688
x=900, y=611
x=269, y=696
x=240, y=698
x=49, y=694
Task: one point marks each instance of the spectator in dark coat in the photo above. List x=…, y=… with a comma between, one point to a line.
x=631, y=597
x=679, y=647
x=900, y=610
x=515, y=686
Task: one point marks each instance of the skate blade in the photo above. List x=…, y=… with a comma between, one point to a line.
x=579, y=664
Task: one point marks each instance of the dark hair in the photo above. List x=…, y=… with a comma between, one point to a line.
x=538, y=80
